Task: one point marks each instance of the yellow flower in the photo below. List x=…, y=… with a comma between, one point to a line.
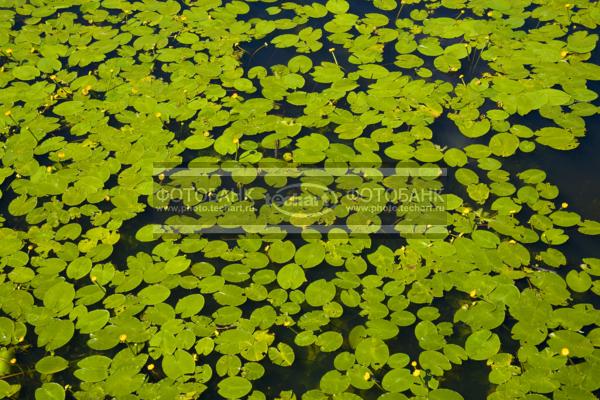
x=564, y=351
x=416, y=372
x=13, y=361
x=564, y=53
x=236, y=140
x=234, y=96
x=61, y=154
x=122, y=338
x=7, y=113
x=86, y=90
x=161, y=177
x=564, y=205
x=367, y=376
x=158, y=115
x=48, y=169
x=150, y=367
x=8, y=51
x=288, y=156
x=490, y=13
x=512, y=241
x=413, y=363
x=93, y=278
x=206, y=134
x=473, y=293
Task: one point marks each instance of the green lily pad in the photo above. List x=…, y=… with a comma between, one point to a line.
x=51, y=365
x=234, y=387
x=481, y=345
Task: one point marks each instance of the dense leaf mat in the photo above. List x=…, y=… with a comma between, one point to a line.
x=93, y=94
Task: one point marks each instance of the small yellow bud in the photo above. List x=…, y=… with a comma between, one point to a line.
x=48, y=169
x=107, y=198
x=331, y=50
x=267, y=247
x=416, y=372
x=13, y=361
x=413, y=363
x=7, y=113
x=206, y=134
x=287, y=323
x=564, y=205
x=161, y=177
x=158, y=115
x=564, y=53
x=466, y=210
x=150, y=367
x=367, y=376
x=53, y=77
x=86, y=90
x=8, y=51
x=30, y=247
x=473, y=293
x=512, y=241
x=288, y=156
x=61, y=154
x=134, y=90
x=564, y=351
x=216, y=333
x=234, y=95
x=21, y=339
x=235, y=140
x=183, y=18
x=94, y=278
x=122, y=338
x=490, y=13
x=18, y=175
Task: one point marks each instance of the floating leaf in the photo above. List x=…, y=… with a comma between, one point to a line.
x=51, y=365
x=481, y=345
x=50, y=391
x=234, y=387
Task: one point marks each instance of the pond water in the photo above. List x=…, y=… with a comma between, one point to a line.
x=187, y=194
